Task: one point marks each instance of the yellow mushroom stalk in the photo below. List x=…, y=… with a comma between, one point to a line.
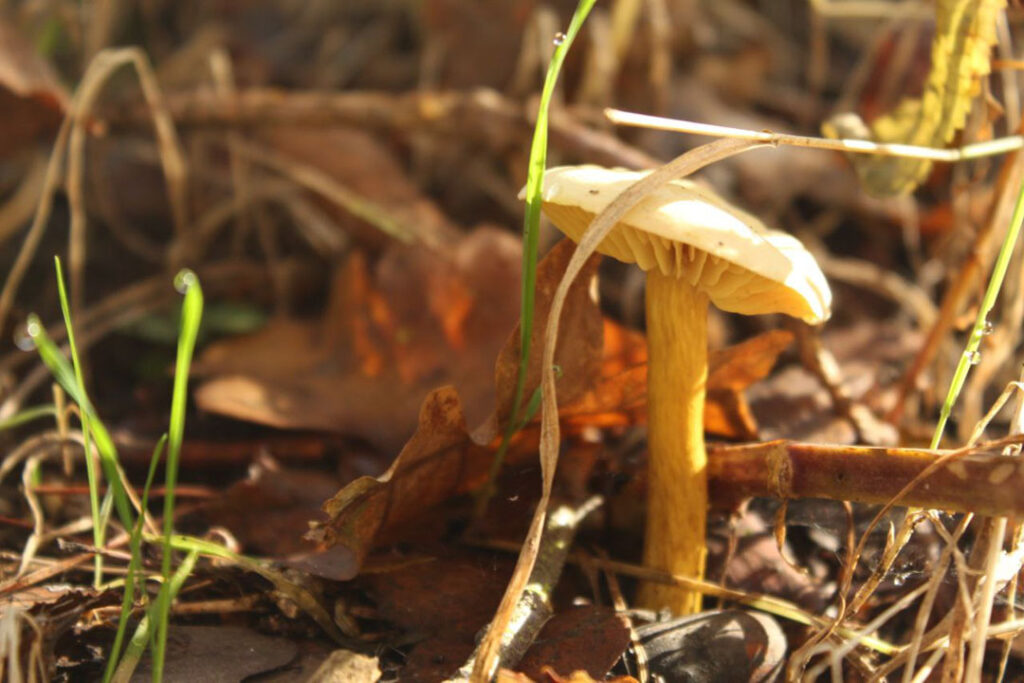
x=696, y=248
x=677, y=488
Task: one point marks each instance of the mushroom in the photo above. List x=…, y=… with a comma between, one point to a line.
x=695, y=248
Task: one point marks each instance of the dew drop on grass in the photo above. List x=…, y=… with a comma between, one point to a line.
x=23, y=337
x=988, y=328
x=559, y=39
x=973, y=357
x=183, y=280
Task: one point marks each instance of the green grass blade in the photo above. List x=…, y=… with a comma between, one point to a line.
x=99, y=527
x=531, y=231
x=971, y=353
x=191, y=316
x=62, y=371
x=28, y=415
x=143, y=634
x=135, y=546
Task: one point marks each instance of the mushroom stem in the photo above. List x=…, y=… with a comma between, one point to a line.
x=677, y=461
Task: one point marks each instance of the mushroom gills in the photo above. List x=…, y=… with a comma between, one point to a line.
x=731, y=288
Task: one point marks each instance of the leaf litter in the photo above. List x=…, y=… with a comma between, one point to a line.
x=360, y=192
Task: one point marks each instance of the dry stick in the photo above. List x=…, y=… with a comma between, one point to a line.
x=973, y=151
x=1011, y=89
x=316, y=180
x=479, y=117
x=172, y=158
x=534, y=607
x=549, y=439
x=21, y=204
x=766, y=603
x=924, y=611
x=73, y=128
x=224, y=85
x=970, y=479
x=784, y=470
x=1011, y=599
x=823, y=365
x=659, y=70
x=54, y=170
x=873, y=9
x=985, y=555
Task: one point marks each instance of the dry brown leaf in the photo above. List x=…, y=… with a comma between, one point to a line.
x=32, y=100
x=550, y=676
x=446, y=599
x=442, y=459
x=619, y=398
x=420, y=321
x=583, y=638
x=358, y=162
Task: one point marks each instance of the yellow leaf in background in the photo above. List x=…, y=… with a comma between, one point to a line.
x=965, y=31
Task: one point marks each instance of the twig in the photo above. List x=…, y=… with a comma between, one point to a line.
x=480, y=117
x=72, y=136
x=965, y=480
x=534, y=607
x=972, y=151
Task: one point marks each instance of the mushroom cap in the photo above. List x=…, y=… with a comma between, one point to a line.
x=687, y=231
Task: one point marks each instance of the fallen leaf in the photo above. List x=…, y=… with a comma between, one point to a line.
x=286, y=499
x=445, y=602
x=344, y=666
x=420, y=320
x=442, y=459
x=619, y=398
x=585, y=638
x=200, y=654
x=360, y=163
x=32, y=100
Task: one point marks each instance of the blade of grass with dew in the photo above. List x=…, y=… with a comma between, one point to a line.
x=65, y=376
x=187, y=283
x=99, y=527
x=143, y=633
x=971, y=353
x=531, y=233
x=135, y=546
